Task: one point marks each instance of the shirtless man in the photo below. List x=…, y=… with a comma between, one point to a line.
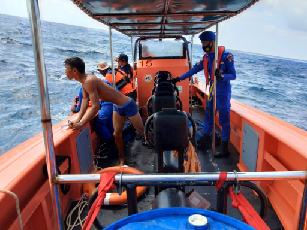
x=95, y=89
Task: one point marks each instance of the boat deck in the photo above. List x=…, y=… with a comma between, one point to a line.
x=143, y=158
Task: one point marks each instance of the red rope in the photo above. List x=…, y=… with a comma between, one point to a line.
x=221, y=180
x=250, y=216
x=106, y=183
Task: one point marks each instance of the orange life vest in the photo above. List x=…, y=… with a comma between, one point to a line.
x=205, y=64
x=122, y=81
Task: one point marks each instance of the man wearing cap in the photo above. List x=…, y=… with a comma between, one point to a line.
x=224, y=73
x=122, y=61
x=123, y=80
x=104, y=68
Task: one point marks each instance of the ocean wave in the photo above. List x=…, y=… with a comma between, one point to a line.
x=8, y=40
x=76, y=52
x=257, y=88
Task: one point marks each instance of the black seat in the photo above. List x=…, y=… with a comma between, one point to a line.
x=163, y=76
x=170, y=130
x=164, y=87
x=160, y=102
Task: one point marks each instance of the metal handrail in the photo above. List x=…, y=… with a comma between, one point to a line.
x=111, y=56
x=215, y=66
x=182, y=178
x=34, y=16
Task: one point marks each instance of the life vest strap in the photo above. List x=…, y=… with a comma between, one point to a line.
x=221, y=51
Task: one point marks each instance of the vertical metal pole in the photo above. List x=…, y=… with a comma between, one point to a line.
x=131, y=199
x=221, y=199
x=303, y=211
x=132, y=53
x=191, y=80
x=214, y=87
x=34, y=16
x=191, y=55
x=111, y=55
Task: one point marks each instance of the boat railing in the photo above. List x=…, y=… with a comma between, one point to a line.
x=131, y=181
x=183, y=178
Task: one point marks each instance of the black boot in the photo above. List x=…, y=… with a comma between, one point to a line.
x=204, y=143
x=224, y=150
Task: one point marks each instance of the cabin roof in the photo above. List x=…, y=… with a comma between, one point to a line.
x=162, y=18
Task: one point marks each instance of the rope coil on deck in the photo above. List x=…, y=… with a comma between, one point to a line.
x=79, y=221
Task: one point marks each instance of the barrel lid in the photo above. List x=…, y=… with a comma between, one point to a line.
x=198, y=220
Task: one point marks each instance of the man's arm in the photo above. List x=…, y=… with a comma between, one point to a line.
x=94, y=97
x=196, y=68
x=230, y=68
x=84, y=105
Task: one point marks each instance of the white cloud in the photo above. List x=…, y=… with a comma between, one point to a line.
x=266, y=28
x=293, y=12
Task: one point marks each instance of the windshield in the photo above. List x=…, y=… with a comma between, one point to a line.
x=155, y=48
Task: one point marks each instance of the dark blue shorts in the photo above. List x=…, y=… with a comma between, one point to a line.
x=128, y=109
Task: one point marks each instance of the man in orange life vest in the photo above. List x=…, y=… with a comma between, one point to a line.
x=224, y=73
x=122, y=82
x=122, y=61
x=123, y=76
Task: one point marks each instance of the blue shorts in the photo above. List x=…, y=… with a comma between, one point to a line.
x=128, y=109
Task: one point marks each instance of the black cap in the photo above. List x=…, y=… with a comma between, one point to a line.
x=123, y=57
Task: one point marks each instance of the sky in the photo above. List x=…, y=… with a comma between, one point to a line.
x=271, y=27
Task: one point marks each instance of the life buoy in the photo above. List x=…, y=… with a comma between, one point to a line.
x=115, y=198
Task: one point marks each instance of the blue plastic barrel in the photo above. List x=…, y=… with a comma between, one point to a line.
x=178, y=219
